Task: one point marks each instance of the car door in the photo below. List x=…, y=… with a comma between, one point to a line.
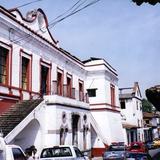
x=79, y=154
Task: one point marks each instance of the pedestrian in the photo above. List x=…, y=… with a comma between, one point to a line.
x=34, y=152
x=29, y=154
x=2, y=149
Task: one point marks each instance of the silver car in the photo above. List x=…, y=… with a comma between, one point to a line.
x=116, y=152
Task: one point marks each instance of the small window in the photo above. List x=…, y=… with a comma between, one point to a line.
x=137, y=105
x=18, y=154
x=138, y=122
x=123, y=105
x=91, y=92
x=147, y=121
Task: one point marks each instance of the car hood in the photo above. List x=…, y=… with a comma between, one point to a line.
x=114, y=153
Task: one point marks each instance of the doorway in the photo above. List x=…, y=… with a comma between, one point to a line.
x=75, y=122
x=44, y=80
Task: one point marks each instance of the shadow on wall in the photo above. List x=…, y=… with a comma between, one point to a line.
x=29, y=135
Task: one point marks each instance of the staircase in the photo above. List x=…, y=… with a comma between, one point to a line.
x=97, y=129
x=15, y=114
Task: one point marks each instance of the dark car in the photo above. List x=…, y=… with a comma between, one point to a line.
x=137, y=156
x=150, y=145
x=115, y=151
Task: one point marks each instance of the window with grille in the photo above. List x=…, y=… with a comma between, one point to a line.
x=81, y=92
x=25, y=73
x=3, y=65
x=59, y=83
x=112, y=88
x=69, y=86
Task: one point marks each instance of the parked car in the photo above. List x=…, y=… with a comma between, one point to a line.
x=115, y=151
x=138, y=147
x=61, y=152
x=10, y=152
x=150, y=145
x=138, y=156
x=87, y=154
x=156, y=143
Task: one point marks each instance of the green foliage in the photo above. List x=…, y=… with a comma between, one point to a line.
x=152, y=2
x=146, y=106
x=153, y=96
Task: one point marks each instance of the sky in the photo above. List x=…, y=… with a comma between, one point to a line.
x=127, y=36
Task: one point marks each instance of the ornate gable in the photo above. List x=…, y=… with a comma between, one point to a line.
x=35, y=20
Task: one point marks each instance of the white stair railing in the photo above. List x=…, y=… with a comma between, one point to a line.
x=97, y=129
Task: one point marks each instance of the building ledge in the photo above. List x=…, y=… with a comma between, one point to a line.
x=64, y=101
x=129, y=126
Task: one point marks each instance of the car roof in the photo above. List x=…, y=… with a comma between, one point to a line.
x=60, y=146
x=13, y=146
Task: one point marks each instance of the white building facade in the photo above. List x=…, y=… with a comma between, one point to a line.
x=131, y=112
x=102, y=86
x=33, y=66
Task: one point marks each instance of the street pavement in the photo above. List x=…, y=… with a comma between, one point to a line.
x=155, y=153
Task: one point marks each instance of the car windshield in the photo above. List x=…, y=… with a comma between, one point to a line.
x=116, y=148
x=135, y=146
x=56, y=152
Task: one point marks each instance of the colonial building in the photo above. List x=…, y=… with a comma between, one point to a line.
x=131, y=112
x=43, y=89
x=151, y=126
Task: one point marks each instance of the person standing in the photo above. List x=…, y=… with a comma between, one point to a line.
x=2, y=149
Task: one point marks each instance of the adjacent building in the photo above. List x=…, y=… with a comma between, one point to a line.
x=102, y=87
x=131, y=113
x=151, y=126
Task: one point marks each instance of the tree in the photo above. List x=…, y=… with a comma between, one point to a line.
x=146, y=106
x=152, y=2
x=153, y=96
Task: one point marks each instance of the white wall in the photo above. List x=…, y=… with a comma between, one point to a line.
x=110, y=125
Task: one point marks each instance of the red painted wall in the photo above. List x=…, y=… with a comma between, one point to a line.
x=97, y=152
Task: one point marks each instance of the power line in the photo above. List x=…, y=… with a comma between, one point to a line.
x=26, y=4
x=66, y=11
x=72, y=13
x=22, y=38
x=51, y=25
x=79, y=5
